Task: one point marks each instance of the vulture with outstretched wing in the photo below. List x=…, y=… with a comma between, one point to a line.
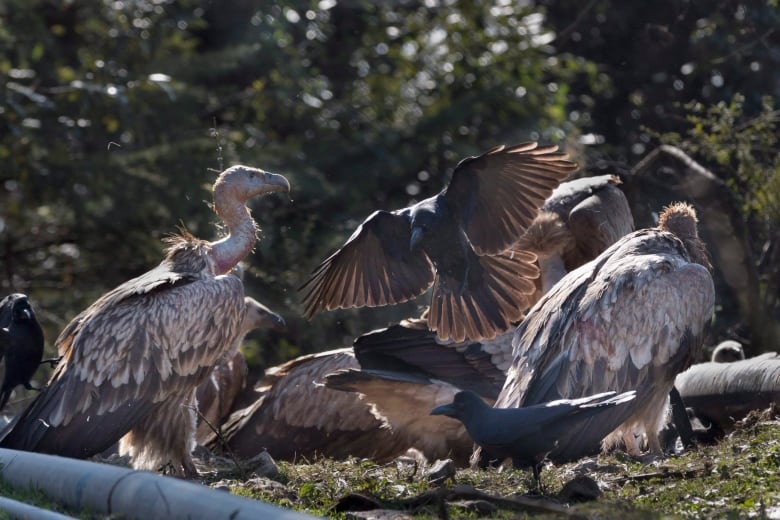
x=460, y=241
x=131, y=361
x=631, y=319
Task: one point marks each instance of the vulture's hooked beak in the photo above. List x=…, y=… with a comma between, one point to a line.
x=277, y=322
x=275, y=182
x=445, y=409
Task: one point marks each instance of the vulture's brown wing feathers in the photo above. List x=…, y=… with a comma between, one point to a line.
x=500, y=288
x=117, y=364
x=498, y=194
x=405, y=400
x=295, y=417
x=629, y=320
x=374, y=267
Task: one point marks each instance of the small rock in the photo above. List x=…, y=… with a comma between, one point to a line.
x=201, y=452
x=581, y=488
x=221, y=485
x=266, y=484
x=262, y=465
x=440, y=471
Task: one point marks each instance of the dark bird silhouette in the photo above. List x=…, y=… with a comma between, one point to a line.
x=217, y=394
x=526, y=435
x=21, y=343
x=459, y=241
x=631, y=319
x=133, y=359
x=577, y=223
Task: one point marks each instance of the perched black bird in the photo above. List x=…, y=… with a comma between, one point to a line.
x=459, y=240
x=21, y=342
x=527, y=435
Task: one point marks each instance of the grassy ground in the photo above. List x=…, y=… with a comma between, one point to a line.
x=737, y=478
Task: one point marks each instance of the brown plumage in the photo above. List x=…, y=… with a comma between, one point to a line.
x=577, y=223
x=292, y=417
x=631, y=319
x=295, y=417
x=405, y=368
x=132, y=360
x=217, y=394
x=458, y=241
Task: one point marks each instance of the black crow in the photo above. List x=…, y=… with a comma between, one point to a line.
x=459, y=240
x=21, y=341
x=527, y=435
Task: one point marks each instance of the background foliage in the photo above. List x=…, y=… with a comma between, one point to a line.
x=115, y=116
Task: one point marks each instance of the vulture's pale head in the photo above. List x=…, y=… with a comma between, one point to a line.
x=240, y=183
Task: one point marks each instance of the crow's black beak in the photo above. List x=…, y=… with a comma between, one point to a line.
x=445, y=409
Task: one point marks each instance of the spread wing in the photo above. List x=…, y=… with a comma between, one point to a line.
x=374, y=267
x=498, y=194
x=138, y=345
x=500, y=289
x=294, y=416
x=630, y=320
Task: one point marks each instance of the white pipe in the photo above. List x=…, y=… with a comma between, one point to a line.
x=105, y=489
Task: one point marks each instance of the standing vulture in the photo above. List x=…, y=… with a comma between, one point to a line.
x=460, y=241
x=133, y=359
x=217, y=394
x=631, y=319
x=21, y=343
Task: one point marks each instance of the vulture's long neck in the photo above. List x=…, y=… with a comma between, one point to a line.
x=242, y=233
